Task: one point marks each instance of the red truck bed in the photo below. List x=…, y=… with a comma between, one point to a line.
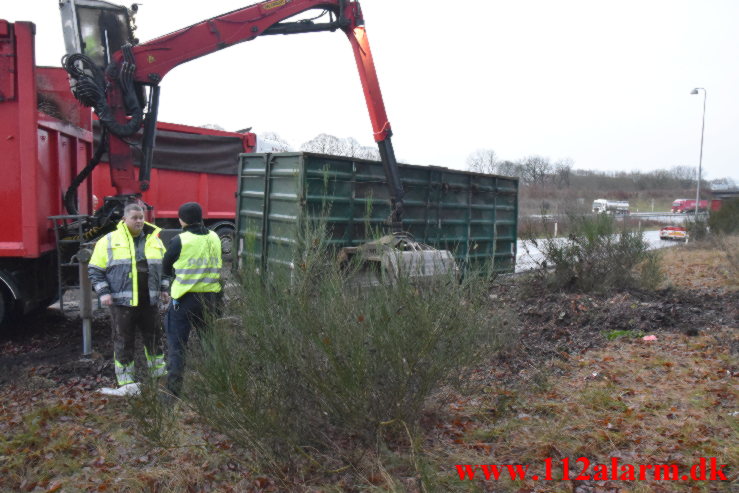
x=46, y=141
x=190, y=164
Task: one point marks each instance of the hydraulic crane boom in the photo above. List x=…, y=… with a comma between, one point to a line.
x=115, y=85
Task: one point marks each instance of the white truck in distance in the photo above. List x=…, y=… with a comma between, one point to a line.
x=604, y=206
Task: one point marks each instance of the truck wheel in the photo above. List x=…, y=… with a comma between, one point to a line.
x=7, y=313
x=226, y=234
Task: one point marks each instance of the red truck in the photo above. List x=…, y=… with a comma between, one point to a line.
x=189, y=164
x=47, y=137
x=687, y=206
x=46, y=140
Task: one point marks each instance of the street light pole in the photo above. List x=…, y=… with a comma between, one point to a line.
x=700, y=159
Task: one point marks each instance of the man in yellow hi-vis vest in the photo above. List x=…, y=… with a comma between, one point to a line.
x=126, y=272
x=194, y=259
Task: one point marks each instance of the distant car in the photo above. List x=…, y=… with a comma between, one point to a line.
x=673, y=233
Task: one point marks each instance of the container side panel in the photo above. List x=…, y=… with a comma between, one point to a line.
x=264, y=202
x=473, y=215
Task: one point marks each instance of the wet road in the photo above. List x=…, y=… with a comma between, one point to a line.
x=528, y=256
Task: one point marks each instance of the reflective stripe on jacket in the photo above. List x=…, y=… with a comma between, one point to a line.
x=198, y=268
x=112, y=267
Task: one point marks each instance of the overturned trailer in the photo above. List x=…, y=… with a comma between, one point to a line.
x=472, y=215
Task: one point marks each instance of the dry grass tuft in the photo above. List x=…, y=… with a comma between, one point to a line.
x=709, y=264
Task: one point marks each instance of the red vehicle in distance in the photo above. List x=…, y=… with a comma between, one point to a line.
x=687, y=206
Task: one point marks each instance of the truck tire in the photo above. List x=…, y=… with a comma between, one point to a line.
x=3, y=308
x=226, y=234
x=7, y=310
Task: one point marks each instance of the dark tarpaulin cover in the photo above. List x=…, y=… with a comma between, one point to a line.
x=188, y=152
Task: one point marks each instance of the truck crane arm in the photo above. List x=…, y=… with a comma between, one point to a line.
x=116, y=89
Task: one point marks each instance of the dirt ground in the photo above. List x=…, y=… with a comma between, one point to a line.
x=557, y=324
x=46, y=347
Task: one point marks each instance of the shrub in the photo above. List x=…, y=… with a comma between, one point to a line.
x=316, y=363
x=729, y=246
x=598, y=256
x=650, y=273
x=726, y=219
x=156, y=418
x=697, y=228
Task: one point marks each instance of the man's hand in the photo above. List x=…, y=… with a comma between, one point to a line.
x=164, y=297
x=106, y=300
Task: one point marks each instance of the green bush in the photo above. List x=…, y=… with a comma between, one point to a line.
x=726, y=219
x=697, y=228
x=598, y=256
x=311, y=363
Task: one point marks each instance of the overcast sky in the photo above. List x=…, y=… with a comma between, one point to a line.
x=605, y=84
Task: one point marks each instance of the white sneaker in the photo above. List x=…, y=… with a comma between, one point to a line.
x=124, y=390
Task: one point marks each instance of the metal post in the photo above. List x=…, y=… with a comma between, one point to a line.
x=83, y=257
x=700, y=159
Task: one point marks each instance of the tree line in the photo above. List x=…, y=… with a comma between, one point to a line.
x=326, y=144
x=535, y=170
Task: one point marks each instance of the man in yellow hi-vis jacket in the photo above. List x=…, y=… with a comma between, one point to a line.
x=126, y=272
x=194, y=259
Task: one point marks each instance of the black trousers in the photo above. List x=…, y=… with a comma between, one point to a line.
x=184, y=314
x=126, y=321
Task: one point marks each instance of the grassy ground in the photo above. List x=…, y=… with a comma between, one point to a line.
x=671, y=400
x=713, y=264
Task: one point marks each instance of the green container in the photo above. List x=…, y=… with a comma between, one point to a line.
x=473, y=215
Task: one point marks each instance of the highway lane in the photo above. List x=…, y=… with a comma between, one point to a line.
x=528, y=256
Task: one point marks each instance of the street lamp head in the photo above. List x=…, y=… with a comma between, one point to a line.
x=694, y=91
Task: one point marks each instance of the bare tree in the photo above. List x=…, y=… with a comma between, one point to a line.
x=684, y=174
x=323, y=144
x=349, y=146
x=563, y=172
x=509, y=168
x=352, y=148
x=535, y=169
x=369, y=152
x=483, y=161
x=272, y=142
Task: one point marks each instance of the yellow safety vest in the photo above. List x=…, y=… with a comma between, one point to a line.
x=198, y=268
x=112, y=266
